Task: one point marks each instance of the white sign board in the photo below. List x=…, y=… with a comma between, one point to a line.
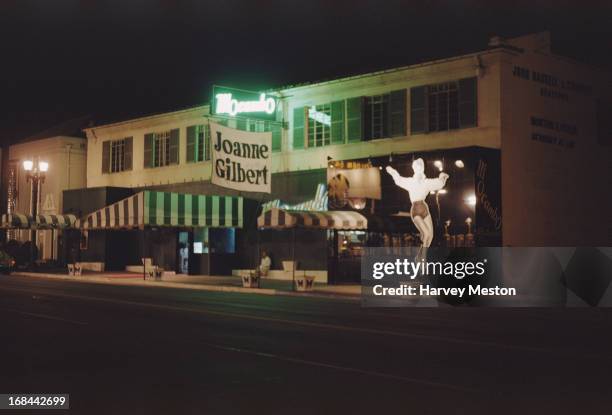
x=242, y=160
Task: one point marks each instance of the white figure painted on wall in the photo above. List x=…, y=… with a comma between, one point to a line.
x=418, y=187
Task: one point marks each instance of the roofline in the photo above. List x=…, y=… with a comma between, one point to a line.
x=146, y=117
x=506, y=48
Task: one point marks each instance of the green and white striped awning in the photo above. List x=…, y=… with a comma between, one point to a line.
x=151, y=208
x=16, y=221
x=21, y=221
x=55, y=221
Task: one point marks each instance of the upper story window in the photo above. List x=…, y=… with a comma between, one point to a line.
x=376, y=117
x=319, y=125
x=198, y=143
x=350, y=120
x=161, y=148
x=256, y=126
x=263, y=126
x=445, y=106
x=117, y=155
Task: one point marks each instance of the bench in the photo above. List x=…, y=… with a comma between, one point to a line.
x=279, y=274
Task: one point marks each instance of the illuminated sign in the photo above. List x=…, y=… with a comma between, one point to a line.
x=236, y=102
x=319, y=116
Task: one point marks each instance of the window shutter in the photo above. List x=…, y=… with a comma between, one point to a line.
x=354, y=119
x=417, y=110
x=467, y=103
x=174, y=146
x=338, y=111
x=206, y=141
x=241, y=124
x=127, y=153
x=191, y=144
x=148, y=150
x=298, y=127
x=277, y=137
x=106, y=157
x=397, y=113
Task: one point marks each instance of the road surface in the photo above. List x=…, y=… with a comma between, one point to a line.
x=141, y=350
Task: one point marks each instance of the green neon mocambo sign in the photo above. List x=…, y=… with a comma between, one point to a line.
x=236, y=102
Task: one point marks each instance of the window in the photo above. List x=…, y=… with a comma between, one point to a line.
x=256, y=126
x=117, y=155
x=198, y=143
x=376, y=117
x=443, y=111
x=350, y=120
x=161, y=149
x=443, y=107
x=117, y=151
x=319, y=125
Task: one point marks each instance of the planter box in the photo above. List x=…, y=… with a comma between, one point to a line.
x=74, y=269
x=250, y=280
x=304, y=283
x=289, y=265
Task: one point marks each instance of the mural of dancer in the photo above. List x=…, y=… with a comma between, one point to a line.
x=418, y=187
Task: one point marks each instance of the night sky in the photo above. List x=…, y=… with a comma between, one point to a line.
x=118, y=59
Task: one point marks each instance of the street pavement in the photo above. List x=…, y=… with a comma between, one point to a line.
x=152, y=350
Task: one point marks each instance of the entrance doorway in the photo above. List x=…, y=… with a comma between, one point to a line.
x=183, y=252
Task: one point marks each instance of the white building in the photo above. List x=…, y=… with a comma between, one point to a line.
x=538, y=109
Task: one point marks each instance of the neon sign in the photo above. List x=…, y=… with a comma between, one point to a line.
x=232, y=102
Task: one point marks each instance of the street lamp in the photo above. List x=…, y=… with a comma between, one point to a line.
x=35, y=175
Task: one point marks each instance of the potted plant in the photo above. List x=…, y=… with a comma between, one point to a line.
x=304, y=282
x=250, y=279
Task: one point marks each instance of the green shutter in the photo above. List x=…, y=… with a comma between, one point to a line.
x=148, y=150
x=206, y=141
x=397, y=113
x=191, y=144
x=338, y=111
x=277, y=137
x=417, y=110
x=298, y=127
x=106, y=156
x=467, y=103
x=127, y=153
x=354, y=119
x=174, y=146
x=241, y=124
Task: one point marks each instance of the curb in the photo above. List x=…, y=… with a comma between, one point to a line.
x=200, y=287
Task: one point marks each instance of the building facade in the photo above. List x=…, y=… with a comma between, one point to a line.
x=66, y=157
x=515, y=114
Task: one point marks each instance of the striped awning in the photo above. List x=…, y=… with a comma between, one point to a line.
x=16, y=221
x=333, y=219
x=152, y=208
x=55, y=221
x=21, y=221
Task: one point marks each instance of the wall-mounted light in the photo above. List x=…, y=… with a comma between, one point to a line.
x=28, y=165
x=442, y=191
x=471, y=200
x=459, y=163
x=43, y=166
x=439, y=165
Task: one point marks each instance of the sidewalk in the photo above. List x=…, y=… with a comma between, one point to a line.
x=206, y=283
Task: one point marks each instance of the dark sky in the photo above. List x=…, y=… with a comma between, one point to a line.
x=115, y=59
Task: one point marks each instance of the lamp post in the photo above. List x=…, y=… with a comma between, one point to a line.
x=35, y=175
